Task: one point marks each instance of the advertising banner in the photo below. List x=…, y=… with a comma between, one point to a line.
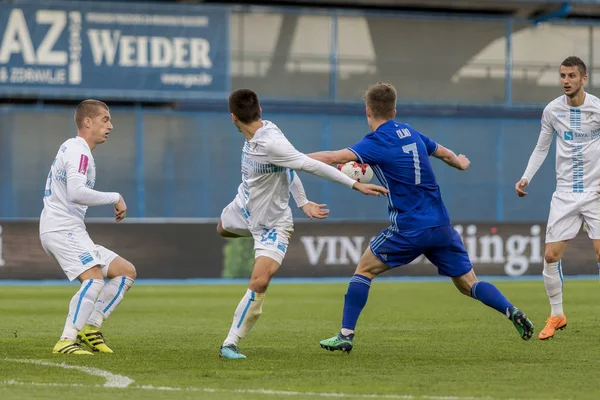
x=113, y=50
x=317, y=249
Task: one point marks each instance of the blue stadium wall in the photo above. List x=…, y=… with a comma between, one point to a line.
x=186, y=164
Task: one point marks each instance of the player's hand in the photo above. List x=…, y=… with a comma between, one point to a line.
x=314, y=210
x=521, y=186
x=463, y=161
x=368, y=188
x=598, y=190
x=120, y=209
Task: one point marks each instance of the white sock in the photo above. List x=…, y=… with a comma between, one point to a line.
x=553, y=280
x=245, y=316
x=81, y=306
x=110, y=297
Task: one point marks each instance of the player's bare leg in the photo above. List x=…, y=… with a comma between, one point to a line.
x=553, y=281
x=489, y=295
x=80, y=308
x=249, y=308
x=122, y=275
x=355, y=300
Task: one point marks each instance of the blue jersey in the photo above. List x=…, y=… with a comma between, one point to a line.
x=399, y=156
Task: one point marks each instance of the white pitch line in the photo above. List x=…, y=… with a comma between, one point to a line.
x=255, y=391
x=112, y=380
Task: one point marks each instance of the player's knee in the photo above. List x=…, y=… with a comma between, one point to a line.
x=259, y=284
x=552, y=256
x=370, y=270
x=121, y=267
x=130, y=270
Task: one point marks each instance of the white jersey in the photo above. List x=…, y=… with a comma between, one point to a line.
x=577, y=131
x=264, y=193
x=68, y=188
x=267, y=159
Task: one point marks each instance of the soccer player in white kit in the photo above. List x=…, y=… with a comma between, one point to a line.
x=574, y=118
x=68, y=193
x=261, y=208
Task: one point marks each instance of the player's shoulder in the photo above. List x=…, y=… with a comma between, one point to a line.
x=69, y=145
x=76, y=143
x=592, y=100
x=270, y=133
x=75, y=147
x=558, y=103
x=270, y=127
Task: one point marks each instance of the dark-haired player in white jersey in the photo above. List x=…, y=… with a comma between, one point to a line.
x=261, y=208
x=574, y=119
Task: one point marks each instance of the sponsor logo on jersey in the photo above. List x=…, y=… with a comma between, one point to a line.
x=83, y=164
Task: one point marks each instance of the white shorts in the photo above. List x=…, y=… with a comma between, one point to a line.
x=75, y=252
x=568, y=211
x=269, y=242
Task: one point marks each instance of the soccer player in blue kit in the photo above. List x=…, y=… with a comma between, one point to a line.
x=399, y=156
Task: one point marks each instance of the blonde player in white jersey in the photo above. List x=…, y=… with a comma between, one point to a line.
x=574, y=118
x=261, y=208
x=68, y=193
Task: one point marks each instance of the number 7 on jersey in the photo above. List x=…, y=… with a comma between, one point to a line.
x=412, y=148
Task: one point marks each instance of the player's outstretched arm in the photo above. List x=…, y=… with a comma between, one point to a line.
x=310, y=209
x=460, y=161
x=334, y=157
x=281, y=152
x=332, y=174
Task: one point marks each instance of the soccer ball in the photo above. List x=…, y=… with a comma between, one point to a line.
x=362, y=173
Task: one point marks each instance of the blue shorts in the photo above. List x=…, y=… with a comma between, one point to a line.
x=441, y=245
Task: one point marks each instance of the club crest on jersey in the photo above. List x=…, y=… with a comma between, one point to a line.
x=568, y=135
x=83, y=164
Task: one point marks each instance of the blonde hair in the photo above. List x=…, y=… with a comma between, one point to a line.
x=88, y=108
x=381, y=99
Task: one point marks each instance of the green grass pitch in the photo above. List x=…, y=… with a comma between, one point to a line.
x=415, y=340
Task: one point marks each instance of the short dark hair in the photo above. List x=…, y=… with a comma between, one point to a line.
x=381, y=99
x=88, y=108
x=243, y=103
x=573, y=61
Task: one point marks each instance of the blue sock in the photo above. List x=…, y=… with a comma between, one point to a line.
x=355, y=300
x=489, y=295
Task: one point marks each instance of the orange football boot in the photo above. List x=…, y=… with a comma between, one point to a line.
x=552, y=324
